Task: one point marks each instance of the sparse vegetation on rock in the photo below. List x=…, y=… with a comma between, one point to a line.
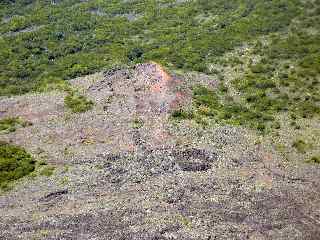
x=208, y=103
x=47, y=171
x=314, y=159
x=300, y=145
x=10, y=124
x=77, y=103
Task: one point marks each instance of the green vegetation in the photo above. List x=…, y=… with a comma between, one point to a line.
x=77, y=103
x=42, y=168
x=64, y=181
x=15, y=163
x=46, y=41
x=274, y=86
x=281, y=75
x=137, y=123
x=10, y=124
x=208, y=103
x=47, y=171
x=286, y=78
x=301, y=146
x=314, y=159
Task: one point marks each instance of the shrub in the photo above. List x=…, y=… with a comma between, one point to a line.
x=77, y=103
x=276, y=125
x=261, y=68
x=137, y=123
x=314, y=159
x=10, y=124
x=15, y=163
x=300, y=145
x=205, y=96
x=181, y=114
x=47, y=171
x=135, y=53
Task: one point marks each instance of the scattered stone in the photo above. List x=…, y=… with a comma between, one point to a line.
x=53, y=195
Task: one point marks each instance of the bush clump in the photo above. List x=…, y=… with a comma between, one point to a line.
x=10, y=124
x=47, y=171
x=314, y=159
x=300, y=145
x=137, y=123
x=78, y=103
x=15, y=163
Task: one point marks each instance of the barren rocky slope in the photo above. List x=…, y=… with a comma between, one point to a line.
x=124, y=170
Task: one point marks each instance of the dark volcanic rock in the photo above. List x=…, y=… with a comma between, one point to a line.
x=53, y=195
x=193, y=166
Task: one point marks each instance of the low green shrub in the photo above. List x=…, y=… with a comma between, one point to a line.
x=10, y=124
x=77, y=103
x=47, y=171
x=300, y=145
x=15, y=163
x=182, y=114
x=135, y=53
x=137, y=123
x=314, y=159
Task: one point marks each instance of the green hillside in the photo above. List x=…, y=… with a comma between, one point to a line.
x=45, y=41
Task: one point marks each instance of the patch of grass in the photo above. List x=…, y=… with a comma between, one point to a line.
x=66, y=168
x=276, y=125
x=15, y=163
x=301, y=146
x=314, y=159
x=64, y=181
x=77, y=103
x=280, y=147
x=182, y=114
x=10, y=124
x=137, y=123
x=47, y=171
x=184, y=221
